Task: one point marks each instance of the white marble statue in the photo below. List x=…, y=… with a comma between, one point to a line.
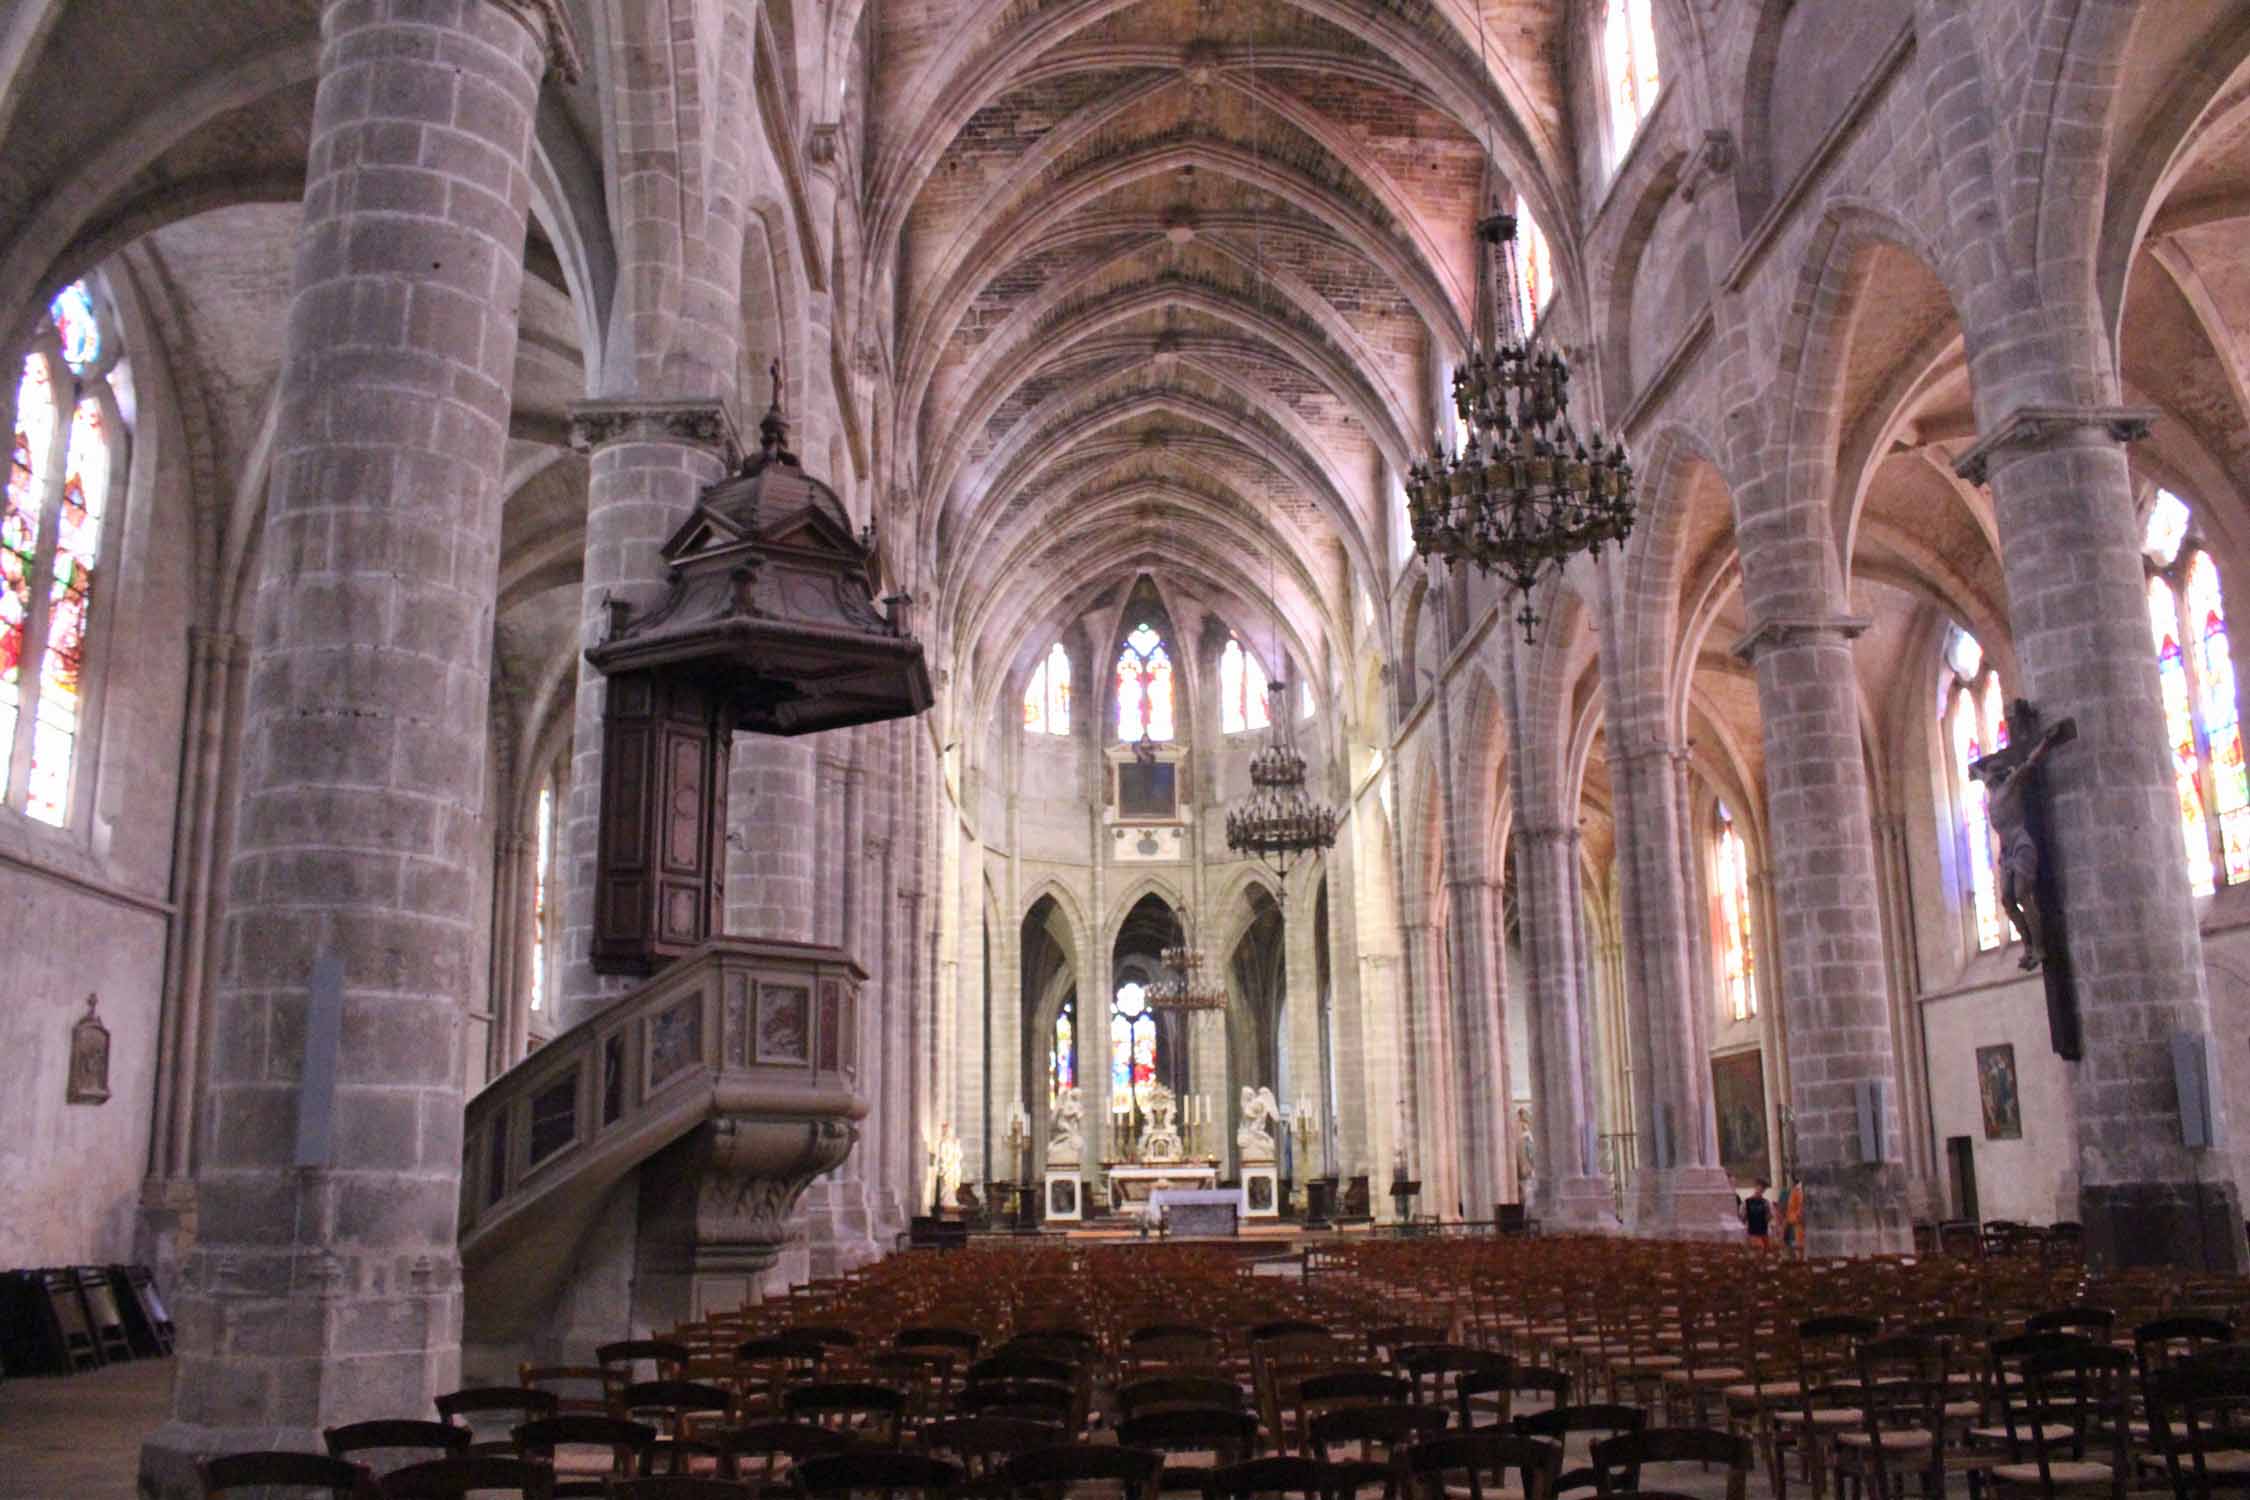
x=1254, y=1138
x=1160, y=1141
x=1067, y=1146
x=948, y=1155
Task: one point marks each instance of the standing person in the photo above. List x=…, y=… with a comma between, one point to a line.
x=1757, y=1215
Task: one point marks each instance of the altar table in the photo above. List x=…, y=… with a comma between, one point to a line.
x=1130, y=1182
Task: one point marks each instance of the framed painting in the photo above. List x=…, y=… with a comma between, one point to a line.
x=1998, y=1094
x=1738, y=1099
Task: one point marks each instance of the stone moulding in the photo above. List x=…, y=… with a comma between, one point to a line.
x=2029, y=428
x=702, y=422
x=1783, y=632
x=550, y=23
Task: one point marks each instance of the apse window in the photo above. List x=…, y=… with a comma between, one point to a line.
x=1970, y=711
x=1536, y=258
x=67, y=461
x=1132, y=1045
x=1242, y=690
x=1629, y=62
x=1144, y=687
x=1062, y=1056
x=1738, y=954
x=1046, y=698
x=542, y=899
x=2187, y=619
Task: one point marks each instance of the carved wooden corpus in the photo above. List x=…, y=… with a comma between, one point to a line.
x=660, y=882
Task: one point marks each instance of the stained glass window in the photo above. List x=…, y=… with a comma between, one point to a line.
x=1537, y=260
x=542, y=916
x=51, y=529
x=1738, y=959
x=77, y=327
x=1304, y=698
x=1242, y=690
x=1144, y=687
x=70, y=597
x=2202, y=716
x=2179, y=729
x=1062, y=1056
x=1973, y=716
x=1132, y=1045
x=1629, y=60
x=28, y=467
x=1046, y=698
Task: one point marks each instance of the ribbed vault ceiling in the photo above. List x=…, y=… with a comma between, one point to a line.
x=1173, y=275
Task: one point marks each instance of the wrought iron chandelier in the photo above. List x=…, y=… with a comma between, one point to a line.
x=1525, y=494
x=1184, y=985
x=1281, y=823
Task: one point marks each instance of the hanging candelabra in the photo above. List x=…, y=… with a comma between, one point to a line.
x=1281, y=823
x=1185, y=984
x=1524, y=494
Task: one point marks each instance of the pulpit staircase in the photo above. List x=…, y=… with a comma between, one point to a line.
x=733, y=1073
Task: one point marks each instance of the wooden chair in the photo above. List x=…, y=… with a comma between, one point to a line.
x=982, y=1447
x=1823, y=1396
x=1902, y=1394
x=1597, y=1420
x=2080, y=1402
x=2199, y=1414
x=407, y=1439
x=869, y=1411
x=1287, y=1477
x=268, y=1472
x=1193, y=1441
x=1161, y=1392
x=483, y=1475
x=1052, y=1472
x=1618, y=1462
x=884, y=1471
x=577, y=1388
x=619, y=1448
x=676, y=1487
x=1475, y=1466
x=621, y=1361
x=512, y=1404
x=684, y=1413
x=1380, y=1432
x=1436, y=1368
x=1337, y=1390
x=1036, y=1400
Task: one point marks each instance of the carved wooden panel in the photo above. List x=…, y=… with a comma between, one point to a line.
x=659, y=882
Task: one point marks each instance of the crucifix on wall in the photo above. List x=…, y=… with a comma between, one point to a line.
x=2030, y=885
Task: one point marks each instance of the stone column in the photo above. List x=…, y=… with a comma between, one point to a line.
x=1829, y=921
x=325, y=1286
x=1679, y=1187
x=648, y=461
x=1570, y=1194
x=2077, y=604
x=1480, y=1059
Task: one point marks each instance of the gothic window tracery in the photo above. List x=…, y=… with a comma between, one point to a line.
x=1737, y=949
x=1046, y=698
x=1132, y=1045
x=2195, y=675
x=1242, y=690
x=1144, y=687
x=60, y=474
x=1629, y=64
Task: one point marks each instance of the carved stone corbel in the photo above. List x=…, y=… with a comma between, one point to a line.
x=2031, y=428
x=704, y=423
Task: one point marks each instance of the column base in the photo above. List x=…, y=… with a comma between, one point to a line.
x=1582, y=1205
x=1856, y=1209
x=2196, y=1225
x=1693, y=1203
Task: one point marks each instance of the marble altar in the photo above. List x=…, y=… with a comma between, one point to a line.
x=1198, y=1212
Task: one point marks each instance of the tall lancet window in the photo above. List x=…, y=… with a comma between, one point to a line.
x=1629, y=66
x=60, y=479
x=1046, y=698
x=1144, y=687
x=1975, y=724
x=1132, y=1045
x=1738, y=953
x=2187, y=619
x=1062, y=1056
x=1242, y=690
x=542, y=896
x=1538, y=264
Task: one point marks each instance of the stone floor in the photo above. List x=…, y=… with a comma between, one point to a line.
x=80, y=1438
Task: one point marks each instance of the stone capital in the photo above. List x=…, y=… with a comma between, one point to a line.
x=550, y=23
x=1633, y=749
x=703, y=423
x=2031, y=429
x=1546, y=834
x=1789, y=632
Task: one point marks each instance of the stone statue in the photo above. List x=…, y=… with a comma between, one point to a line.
x=1161, y=1140
x=948, y=1163
x=1254, y=1138
x=89, y=1058
x=2006, y=780
x=1067, y=1147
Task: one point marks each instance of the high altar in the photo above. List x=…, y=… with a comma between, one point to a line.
x=1159, y=1160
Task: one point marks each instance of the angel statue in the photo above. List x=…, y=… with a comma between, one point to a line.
x=1067, y=1147
x=1255, y=1136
